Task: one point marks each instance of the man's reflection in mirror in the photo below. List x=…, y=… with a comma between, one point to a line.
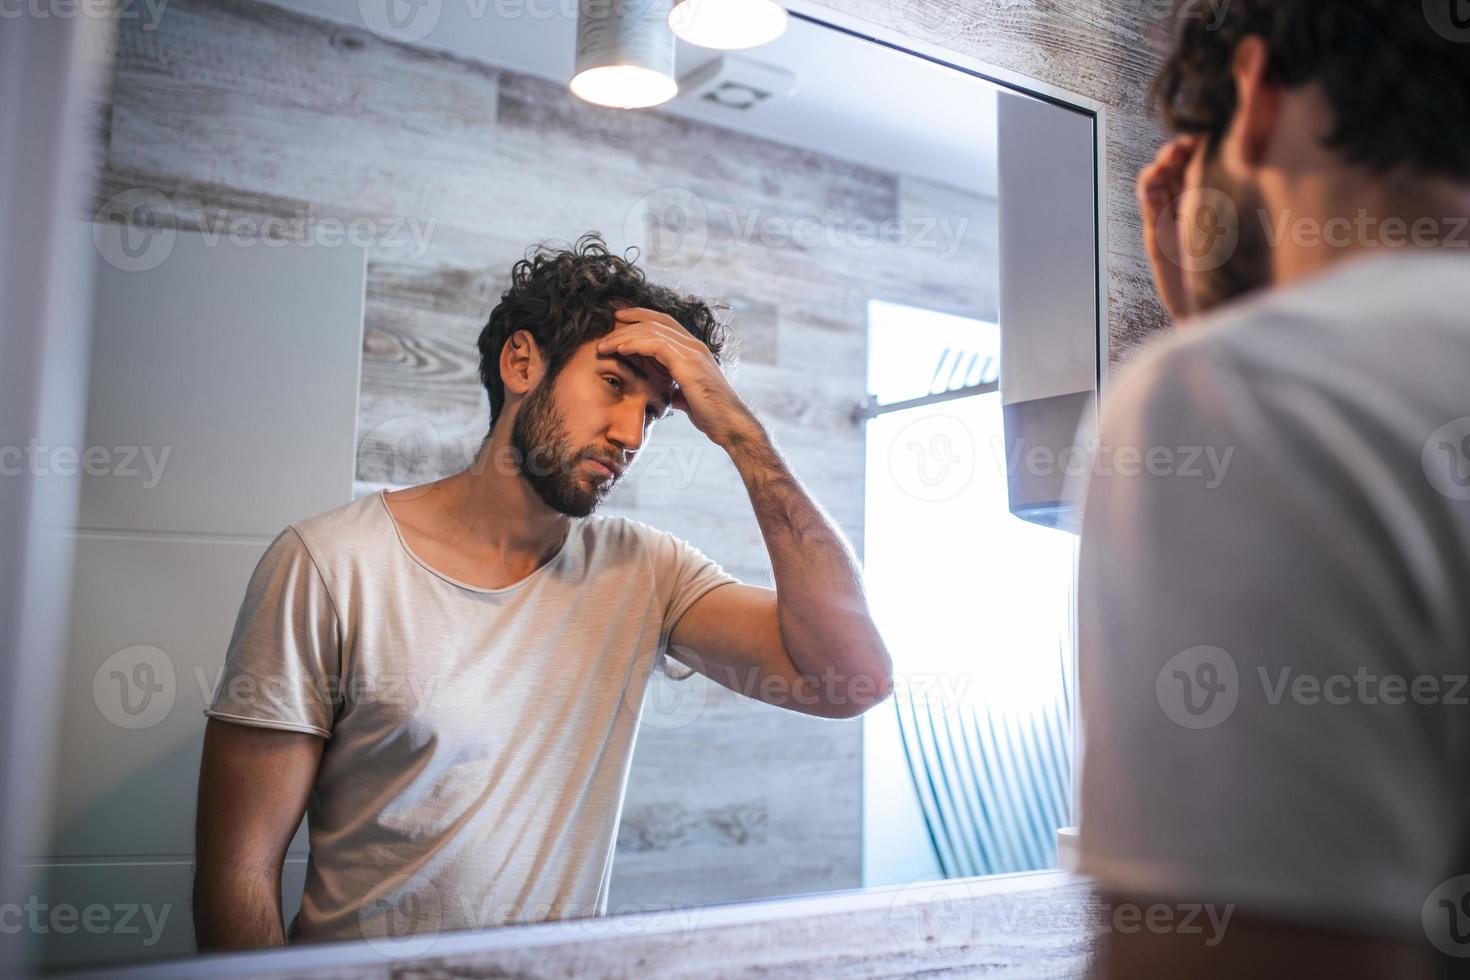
x=447, y=679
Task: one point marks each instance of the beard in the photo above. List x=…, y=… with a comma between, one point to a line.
x=1241, y=263
x=539, y=437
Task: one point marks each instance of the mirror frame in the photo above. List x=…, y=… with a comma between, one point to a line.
x=22, y=576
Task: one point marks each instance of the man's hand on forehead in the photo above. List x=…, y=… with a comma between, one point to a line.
x=658, y=375
x=679, y=358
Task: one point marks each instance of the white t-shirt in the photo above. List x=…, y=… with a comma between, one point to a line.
x=1261, y=596
x=479, y=740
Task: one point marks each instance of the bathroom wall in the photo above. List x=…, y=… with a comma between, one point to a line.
x=1107, y=50
x=239, y=112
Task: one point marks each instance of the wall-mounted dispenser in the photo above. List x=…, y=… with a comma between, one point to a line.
x=1048, y=303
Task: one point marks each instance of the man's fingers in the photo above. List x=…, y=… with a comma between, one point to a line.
x=1163, y=180
x=682, y=339
x=1148, y=179
x=1181, y=151
x=1176, y=152
x=1155, y=180
x=1160, y=184
x=1156, y=188
x=635, y=314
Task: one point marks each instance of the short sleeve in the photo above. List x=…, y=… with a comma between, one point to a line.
x=282, y=666
x=682, y=573
x=1251, y=573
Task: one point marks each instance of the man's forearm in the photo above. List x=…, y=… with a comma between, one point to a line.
x=237, y=910
x=825, y=623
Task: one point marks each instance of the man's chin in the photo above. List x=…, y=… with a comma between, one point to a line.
x=576, y=503
x=585, y=506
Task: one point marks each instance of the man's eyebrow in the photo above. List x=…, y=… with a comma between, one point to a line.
x=632, y=365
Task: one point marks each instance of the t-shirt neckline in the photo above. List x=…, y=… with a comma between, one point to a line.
x=566, y=546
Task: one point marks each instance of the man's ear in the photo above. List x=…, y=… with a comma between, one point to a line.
x=520, y=362
x=1257, y=104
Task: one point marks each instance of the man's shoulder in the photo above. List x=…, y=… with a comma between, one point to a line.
x=1387, y=323
x=630, y=538
x=341, y=529
x=1369, y=309
x=618, y=530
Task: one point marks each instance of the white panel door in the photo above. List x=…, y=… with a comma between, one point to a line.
x=222, y=405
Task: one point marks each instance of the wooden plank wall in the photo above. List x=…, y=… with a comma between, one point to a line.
x=237, y=111
x=1107, y=50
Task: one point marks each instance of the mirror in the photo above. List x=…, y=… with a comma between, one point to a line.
x=306, y=214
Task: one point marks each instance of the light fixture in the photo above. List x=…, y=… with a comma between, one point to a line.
x=625, y=54
x=736, y=82
x=728, y=25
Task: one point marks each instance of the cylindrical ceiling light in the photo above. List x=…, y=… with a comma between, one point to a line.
x=728, y=24
x=625, y=53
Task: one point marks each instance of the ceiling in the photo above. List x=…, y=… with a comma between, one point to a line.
x=854, y=99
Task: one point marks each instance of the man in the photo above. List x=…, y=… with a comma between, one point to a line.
x=448, y=679
x=1272, y=669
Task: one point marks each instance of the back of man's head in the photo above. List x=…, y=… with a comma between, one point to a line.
x=1306, y=132
x=1396, y=73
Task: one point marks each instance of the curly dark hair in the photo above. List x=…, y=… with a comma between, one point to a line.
x=567, y=297
x=1397, y=79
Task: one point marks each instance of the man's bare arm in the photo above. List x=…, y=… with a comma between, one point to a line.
x=253, y=787
x=825, y=628
x=821, y=605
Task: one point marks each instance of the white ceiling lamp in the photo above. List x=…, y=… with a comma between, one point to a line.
x=625, y=54
x=728, y=25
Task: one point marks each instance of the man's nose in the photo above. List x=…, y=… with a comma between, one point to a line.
x=627, y=428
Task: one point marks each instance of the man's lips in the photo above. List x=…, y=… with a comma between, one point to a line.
x=603, y=468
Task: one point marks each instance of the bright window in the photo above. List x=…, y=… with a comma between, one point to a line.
x=974, y=604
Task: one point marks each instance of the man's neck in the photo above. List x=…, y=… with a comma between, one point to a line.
x=1328, y=223
x=494, y=507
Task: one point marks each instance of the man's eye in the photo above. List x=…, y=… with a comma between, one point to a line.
x=650, y=416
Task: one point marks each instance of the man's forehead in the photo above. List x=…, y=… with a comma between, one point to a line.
x=646, y=368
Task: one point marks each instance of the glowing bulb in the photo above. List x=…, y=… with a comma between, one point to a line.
x=625, y=58
x=624, y=86
x=728, y=25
